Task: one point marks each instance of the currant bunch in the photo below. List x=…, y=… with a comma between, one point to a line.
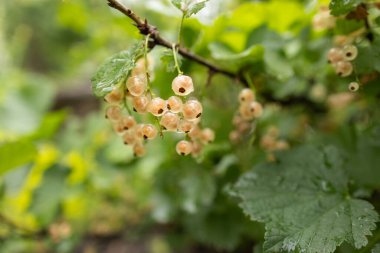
x=249, y=110
x=271, y=142
x=323, y=20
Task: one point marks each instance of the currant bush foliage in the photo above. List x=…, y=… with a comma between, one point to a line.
x=304, y=199
x=340, y=7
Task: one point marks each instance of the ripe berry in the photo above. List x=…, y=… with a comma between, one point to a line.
x=251, y=110
x=136, y=85
x=184, y=148
x=129, y=137
x=128, y=122
x=350, y=52
x=207, y=135
x=195, y=133
x=140, y=104
x=170, y=121
x=157, y=106
x=335, y=55
x=174, y=104
x=113, y=112
x=139, y=149
x=186, y=126
x=118, y=127
x=114, y=97
x=148, y=131
x=197, y=148
x=192, y=109
x=246, y=95
x=354, y=86
x=182, y=85
x=344, y=68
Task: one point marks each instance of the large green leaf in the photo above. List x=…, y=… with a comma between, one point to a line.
x=116, y=69
x=340, y=7
x=304, y=200
x=376, y=249
x=16, y=153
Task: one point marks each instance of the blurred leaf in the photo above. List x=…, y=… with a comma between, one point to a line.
x=168, y=59
x=340, y=7
x=116, y=69
x=376, y=249
x=277, y=65
x=49, y=125
x=368, y=59
x=16, y=153
x=189, y=7
x=347, y=26
x=303, y=199
x=195, y=8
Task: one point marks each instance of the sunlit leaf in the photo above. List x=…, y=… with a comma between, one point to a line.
x=340, y=7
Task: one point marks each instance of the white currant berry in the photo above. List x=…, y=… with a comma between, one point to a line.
x=237, y=120
x=350, y=52
x=169, y=121
x=335, y=55
x=174, y=104
x=234, y=136
x=192, y=109
x=281, y=145
x=140, y=104
x=344, y=68
x=139, y=149
x=129, y=137
x=184, y=147
x=136, y=85
x=353, y=86
x=268, y=142
x=157, y=106
x=118, y=127
x=196, y=148
x=207, y=135
x=149, y=132
x=251, y=110
x=114, y=97
x=182, y=85
x=186, y=126
x=113, y=113
x=246, y=96
x=195, y=133
x=128, y=122
x=244, y=127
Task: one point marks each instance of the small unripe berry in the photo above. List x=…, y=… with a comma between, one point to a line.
x=335, y=55
x=282, y=145
x=207, y=135
x=170, y=121
x=350, y=52
x=182, y=85
x=114, y=97
x=197, y=148
x=246, y=96
x=139, y=149
x=157, y=106
x=234, y=136
x=186, y=126
x=237, y=120
x=244, y=127
x=174, y=104
x=273, y=131
x=268, y=142
x=140, y=104
x=354, y=86
x=136, y=85
x=184, y=148
x=149, y=132
x=128, y=122
x=344, y=68
x=192, y=109
x=129, y=137
x=113, y=113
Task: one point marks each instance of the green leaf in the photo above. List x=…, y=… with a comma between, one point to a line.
x=195, y=8
x=341, y=7
x=376, y=249
x=49, y=125
x=178, y=4
x=168, y=59
x=303, y=199
x=189, y=7
x=16, y=153
x=116, y=69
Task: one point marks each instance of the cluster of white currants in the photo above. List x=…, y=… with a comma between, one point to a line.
x=341, y=59
x=174, y=114
x=249, y=110
x=270, y=142
x=323, y=20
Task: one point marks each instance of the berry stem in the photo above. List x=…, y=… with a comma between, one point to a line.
x=249, y=81
x=180, y=30
x=146, y=49
x=174, y=48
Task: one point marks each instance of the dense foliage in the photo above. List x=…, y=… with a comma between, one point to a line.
x=302, y=177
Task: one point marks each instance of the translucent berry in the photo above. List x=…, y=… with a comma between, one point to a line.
x=195, y=133
x=136, y=85
x=184, y=148
x=113, y=113
x=207, y=135
x=170, y=121
x=140, y=104
x=182, y=85
x=244, y=127
x=186, y=126
x=192, y=109
x=128, y=122
x=350, y=52
x=335, y=55
x=234, y=136
x=197, y=148
x=114, y=97
x=246, y=95
x=344, y=68
x=118, y=127
x=237, y=120
x=354, y=86
x=139, y=149
x=157, y=106
x=129, y=137
x=149, y=132
x=251, y=110
x=174, y=104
